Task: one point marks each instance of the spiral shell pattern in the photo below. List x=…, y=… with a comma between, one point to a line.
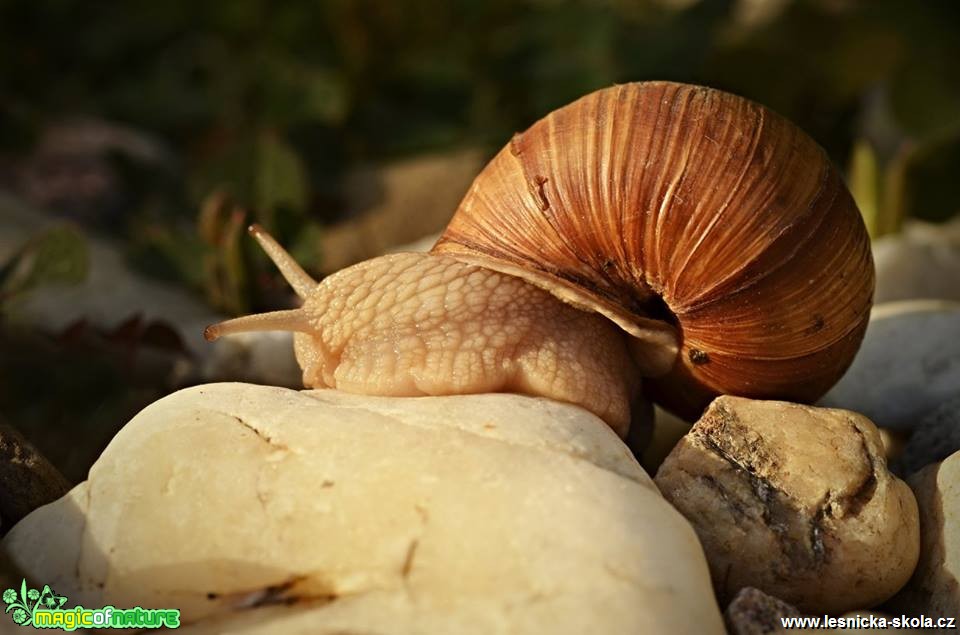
x=693, y=206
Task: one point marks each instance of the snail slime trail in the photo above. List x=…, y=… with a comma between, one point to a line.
x=650, y=230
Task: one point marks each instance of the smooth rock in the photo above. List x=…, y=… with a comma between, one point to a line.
x=921, y=262
x=934, y=589
x=937, y=436
x=796, y=501
x=908, y=365
x=263, y=510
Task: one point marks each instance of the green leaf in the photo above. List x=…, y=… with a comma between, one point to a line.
x=56, y=256
x=305, y=247
x=234, y=267
x=226, y=269
x=324, y=96
x=168, y=253
x=261, y=172
x=214, y=212
x=865, y=185
x=280, y=178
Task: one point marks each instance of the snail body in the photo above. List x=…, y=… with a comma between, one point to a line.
x=713, y=232
x=418, y=324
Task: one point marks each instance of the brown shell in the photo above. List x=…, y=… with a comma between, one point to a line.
x=648, y=197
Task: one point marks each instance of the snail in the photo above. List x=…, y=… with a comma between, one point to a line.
x=654, y=237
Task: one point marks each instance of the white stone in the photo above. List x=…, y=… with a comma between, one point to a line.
x=934, y=589
x=263, y=510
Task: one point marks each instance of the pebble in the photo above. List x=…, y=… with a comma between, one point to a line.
x=795, y=501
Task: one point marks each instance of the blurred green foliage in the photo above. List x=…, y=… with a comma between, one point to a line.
x=225, y=113
x=56, y=256
x=272, y=101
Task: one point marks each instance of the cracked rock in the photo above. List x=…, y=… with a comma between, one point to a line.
x=796, y=501
x=265, y=510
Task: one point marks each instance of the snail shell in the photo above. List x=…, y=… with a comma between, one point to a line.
x=684, y=214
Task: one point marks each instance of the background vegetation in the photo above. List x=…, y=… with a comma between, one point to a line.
x=166, y=127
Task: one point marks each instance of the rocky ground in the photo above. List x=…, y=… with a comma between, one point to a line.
x=381, y=511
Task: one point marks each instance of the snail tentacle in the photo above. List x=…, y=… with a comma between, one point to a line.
x=291, y=270
x=290, y=320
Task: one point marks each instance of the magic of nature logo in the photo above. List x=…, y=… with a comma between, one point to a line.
x=45, y=609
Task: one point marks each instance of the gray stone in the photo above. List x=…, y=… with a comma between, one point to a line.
x=921, y=262
x=908, y=365
x=936, y=437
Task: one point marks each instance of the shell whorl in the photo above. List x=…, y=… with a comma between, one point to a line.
x=651, y=196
